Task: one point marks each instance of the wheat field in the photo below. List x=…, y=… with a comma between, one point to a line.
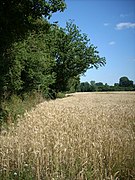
x=85, y=136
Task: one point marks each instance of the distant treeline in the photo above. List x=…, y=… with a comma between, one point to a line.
x=124, y=85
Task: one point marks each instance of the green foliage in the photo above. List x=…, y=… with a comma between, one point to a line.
x=125, y=82
x=18, y=16
x=30, y=66
x=17, y=105
x=92, y=86
x=73, y=84
x=22, y=66
x=38, y=56
x=99, y=84
x=84, y=87
x=73, y=54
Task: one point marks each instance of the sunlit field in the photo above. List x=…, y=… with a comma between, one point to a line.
x=85, y=136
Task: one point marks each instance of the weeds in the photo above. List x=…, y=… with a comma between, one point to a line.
x=16, y=106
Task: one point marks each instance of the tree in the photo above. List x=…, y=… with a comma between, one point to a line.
x=73, y=84
x=31, y=66
x=84, y=87
x=74, y=54
x=125, y=82
x=93, y=86
x=19, y=16
x=18, y=20
x=99, y=84
x=116, y=84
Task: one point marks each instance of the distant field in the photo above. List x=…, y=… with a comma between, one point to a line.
x=85, y=136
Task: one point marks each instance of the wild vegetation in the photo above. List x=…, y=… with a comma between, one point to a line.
x=83, y=136
x=37, y=55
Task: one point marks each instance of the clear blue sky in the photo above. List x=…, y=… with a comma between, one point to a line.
x=110, y=25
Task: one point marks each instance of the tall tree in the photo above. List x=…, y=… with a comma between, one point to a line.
x=31, y=65
x=73, y=53
x=17, y=19
x=17, y=16
x=73, y=84
x=125, y=82
x=84, y=87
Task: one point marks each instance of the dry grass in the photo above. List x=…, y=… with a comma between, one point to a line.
x=84, y=136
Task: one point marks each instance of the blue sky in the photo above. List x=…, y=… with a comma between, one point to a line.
x=110, y=25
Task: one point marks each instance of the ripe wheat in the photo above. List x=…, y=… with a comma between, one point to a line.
x=84, y=136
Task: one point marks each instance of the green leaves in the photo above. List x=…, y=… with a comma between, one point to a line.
x=38, y=55
x=19, y=51
x=74, y=54
x=32, y=64
x=125, y=82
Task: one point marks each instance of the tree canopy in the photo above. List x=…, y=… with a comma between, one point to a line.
x=18, y=20
x=38, y=55
x=17, y=15
x=125, y=82
x=73, y=53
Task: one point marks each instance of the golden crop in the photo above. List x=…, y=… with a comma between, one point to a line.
x=86, y=136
